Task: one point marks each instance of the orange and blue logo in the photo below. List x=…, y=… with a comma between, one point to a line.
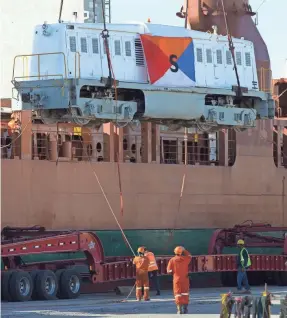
x=170, y=60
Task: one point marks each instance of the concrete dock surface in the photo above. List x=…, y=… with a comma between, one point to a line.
x=204, y=303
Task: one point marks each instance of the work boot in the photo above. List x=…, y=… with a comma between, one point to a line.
x=185, y=310
x=179, y=309
x=158, y=293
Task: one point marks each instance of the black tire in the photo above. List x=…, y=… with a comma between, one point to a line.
x=5, y=283
x=46, y=285
x=21, y=286
x=33, y=275
x=224, y=279
x=70, y=284
x=230, y=279
x=58, y=274
x=283, y=278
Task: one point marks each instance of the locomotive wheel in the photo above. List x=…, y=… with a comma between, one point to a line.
x=46, y=285
x=20, y=286
x=5, y=283
x=70, y=284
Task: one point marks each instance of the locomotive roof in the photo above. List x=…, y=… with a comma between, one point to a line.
x=144, y=28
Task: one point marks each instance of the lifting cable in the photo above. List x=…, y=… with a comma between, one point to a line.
x=60, y=12
x=231, y=49
x=105, y=36
x=182, y=184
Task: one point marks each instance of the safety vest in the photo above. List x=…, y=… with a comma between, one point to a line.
x=152, y=262
x=242, y=258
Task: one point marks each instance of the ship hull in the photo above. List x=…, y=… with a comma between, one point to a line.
x=67, y=196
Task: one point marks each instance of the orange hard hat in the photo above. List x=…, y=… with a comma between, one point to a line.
x=141, y=249
x=178, y=250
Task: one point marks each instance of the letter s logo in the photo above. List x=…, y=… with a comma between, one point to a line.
x=173, y=62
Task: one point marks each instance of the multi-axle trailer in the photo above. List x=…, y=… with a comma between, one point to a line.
x=51, y=279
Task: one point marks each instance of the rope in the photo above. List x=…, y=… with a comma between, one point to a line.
x=277, y=97
x=263, y=1
x=112, y=211
x=120, y=187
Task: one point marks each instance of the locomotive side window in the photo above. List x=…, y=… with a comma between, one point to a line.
x=247, y=59
x=95, y=46
x=208, y=56
x=117, y=47
x=228, y=58
x=128, y=48
x=238, y=58
x=219, y=56
x=73, y=45
x=139, y=53
x=84, y=47
x=199, y=55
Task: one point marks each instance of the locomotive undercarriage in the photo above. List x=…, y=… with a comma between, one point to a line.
x=92, y=105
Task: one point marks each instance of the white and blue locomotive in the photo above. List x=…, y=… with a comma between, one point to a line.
x=65, y=78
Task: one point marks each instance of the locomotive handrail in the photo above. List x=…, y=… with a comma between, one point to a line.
x=38, y=55
x=77, y=54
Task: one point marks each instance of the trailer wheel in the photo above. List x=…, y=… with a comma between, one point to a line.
x=46, y=285
x=21, y=286
x=224, y=279
x=5, y=283
x=33, y=275
x=228, y=279
x=283, y=276
x=70, y=284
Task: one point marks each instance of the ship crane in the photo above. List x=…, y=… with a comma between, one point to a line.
x=95, y=73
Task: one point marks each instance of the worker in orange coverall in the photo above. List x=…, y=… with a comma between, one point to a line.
x=142, y=280
x=178, y=266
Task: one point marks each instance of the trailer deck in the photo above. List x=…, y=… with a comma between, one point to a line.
x=48, y=280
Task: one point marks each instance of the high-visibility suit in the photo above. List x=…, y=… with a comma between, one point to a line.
x=243, y=263
x=153, y=270
x=178, y=266
x=142, y=280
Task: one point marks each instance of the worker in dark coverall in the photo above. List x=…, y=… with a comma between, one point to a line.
x=178, y=266
x=243, y=263
x=142, y=280
x=152, y=270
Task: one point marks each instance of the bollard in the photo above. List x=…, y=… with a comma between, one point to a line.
x=283, y=309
